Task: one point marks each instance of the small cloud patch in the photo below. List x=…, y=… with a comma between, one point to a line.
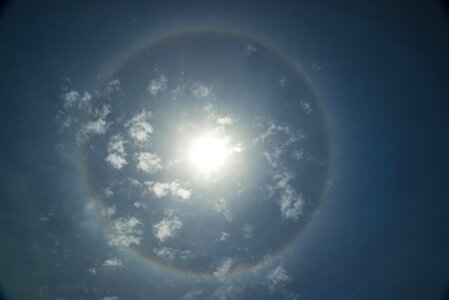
x=140, y=128
x=167, y=228
x=148, y=162
x=157, y=85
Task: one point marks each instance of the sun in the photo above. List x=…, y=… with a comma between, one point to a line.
x=208, y=153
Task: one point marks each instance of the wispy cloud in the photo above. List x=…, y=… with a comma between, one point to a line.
x=139, y=126
x=224, y=236
x=109, y=211
x=170, y=254
x=158, y=85
x=277, y=278
x=223, y=268
x=65, y=120
x=178, y=92
x=116, y=161
x=298, y=154
x=225, y=120
x=228, y=290
x=117, y=144
x=307, y=107
x=96, y=127
x=165, y=253
x=167, y=228
x=74, y=99
x=134, y=182
x=290, y=202
x=139, y=204
x=221, y=206
x=108, y=192
x=250, y=48
x=201, y=91
x=102, y=112
x=278, y=139
x=174, y=188
x=248, y=231
x=127, y=232
x=110, y=88
x=112, y=263
x=116, y=152
x=148, y=162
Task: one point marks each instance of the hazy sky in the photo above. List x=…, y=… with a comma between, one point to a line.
x=224, y=150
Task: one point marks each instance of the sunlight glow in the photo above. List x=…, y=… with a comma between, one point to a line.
x=208, y=153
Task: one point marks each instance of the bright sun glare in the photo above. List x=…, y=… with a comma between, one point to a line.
x=208, y=153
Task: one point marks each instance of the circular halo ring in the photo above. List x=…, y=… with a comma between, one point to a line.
x=152, y=261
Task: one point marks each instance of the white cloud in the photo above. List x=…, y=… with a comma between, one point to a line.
x=277, y=277
x=224, y=236
x=127, y=232
x=117, y=154
x=97, y=127
x=70, y=98
x=134, y=182
x=92, y=271
x=223, y=269
x=247, y=230
x=221, y=206
x=174, y=188
x=208, y=107
x=250, y=48
x=167, y=228
x=74, y=98
x=273, y=129
x=290, y=202
x=148, y=162
x=185, y=254
x=116, y=161
x=103, y=112
x=165, y=253
x=161, y=189
x=109, y=211
x=116, y=144
x=236, y=148
x=278, y=139
x=225, y=120
x=273, y=157
x=158, y=85
x=178, y=92
x=139, y=127
x=110, y=88
x=171, y=254
x=307, y=107
x=201, y=91
x=85, y=99
x=139, y=204
x=112, y=263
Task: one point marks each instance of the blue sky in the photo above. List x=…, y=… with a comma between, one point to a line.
x=379, y=71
